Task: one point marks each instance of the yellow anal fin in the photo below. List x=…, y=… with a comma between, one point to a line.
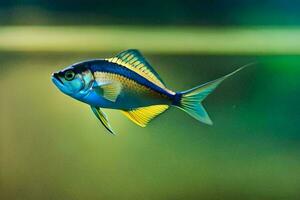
x=142, y=116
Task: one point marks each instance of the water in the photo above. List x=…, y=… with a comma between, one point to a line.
x=52, y=147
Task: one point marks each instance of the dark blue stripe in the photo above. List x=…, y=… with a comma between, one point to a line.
x=106, y=66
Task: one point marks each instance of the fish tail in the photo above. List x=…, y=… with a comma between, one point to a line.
x=190, y=100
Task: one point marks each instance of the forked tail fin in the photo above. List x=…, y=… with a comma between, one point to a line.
x=190, y=100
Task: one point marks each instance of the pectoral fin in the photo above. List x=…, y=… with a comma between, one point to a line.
x=110, y=90
x=142, y=116
x=103, y=119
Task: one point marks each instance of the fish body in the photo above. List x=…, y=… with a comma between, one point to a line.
x=136, y=91
x=127, y=82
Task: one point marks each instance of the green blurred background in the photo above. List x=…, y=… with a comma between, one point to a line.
x=52, y=147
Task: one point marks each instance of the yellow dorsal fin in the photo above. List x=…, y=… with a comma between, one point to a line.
x=133, y=60
x=141, y=116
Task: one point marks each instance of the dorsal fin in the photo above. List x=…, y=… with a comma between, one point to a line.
x=134, y=60
x=141, y=116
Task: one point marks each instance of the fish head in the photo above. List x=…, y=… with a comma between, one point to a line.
x=75, y=80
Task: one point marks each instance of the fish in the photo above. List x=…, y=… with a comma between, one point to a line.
x=127, y=82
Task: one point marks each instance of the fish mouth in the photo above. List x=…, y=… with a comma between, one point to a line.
x=56, y=80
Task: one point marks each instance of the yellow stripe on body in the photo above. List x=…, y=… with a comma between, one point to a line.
x=140, y=69
x=127, y=84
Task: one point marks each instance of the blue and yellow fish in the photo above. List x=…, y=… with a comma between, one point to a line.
x=127, y=82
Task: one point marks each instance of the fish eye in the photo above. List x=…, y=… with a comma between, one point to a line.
x=69, y=75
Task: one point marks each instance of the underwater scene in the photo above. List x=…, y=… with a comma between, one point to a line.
x=53, y=147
